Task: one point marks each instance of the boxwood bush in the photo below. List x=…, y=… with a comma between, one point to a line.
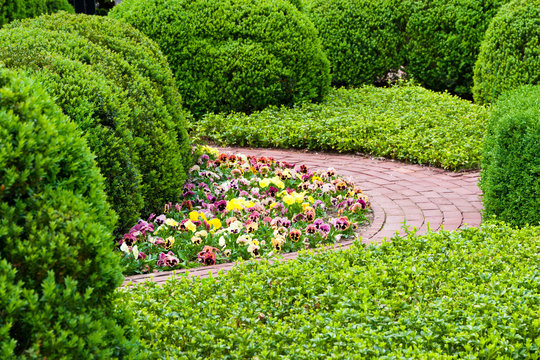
x=57, y=269
x=444, y=40
x=447, y=295
x=116, y=85
x=19, y=9
x=510, y=178
x=510, y=53
x=363, y=39
x=407, y=123
x=240, y=55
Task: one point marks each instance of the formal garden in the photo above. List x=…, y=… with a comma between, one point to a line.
x=110, y=128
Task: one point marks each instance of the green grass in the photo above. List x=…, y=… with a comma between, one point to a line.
x=406, y=123
x=468, y=294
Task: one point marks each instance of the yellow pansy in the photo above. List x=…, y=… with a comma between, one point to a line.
x=298, y=197
x=315, y=179
x=311, y=199
x=239, y=204
x=194, y=216
x=171, y=222
x=190, y=226
x=264, y=183
x=289, y=199
x=215, y=223
x=277, y=181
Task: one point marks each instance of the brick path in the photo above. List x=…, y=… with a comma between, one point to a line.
x=418, y=194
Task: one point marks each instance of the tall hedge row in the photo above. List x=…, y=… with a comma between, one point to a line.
x=115, y=83
x=510, y=178
x=57, y=269
x=510, y=54
x=19, y=9
x=234, y=55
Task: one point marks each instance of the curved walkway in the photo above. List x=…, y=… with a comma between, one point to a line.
x=418, y=195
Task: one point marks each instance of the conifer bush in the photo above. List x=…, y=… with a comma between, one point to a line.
x=234, y=55
x=57, y=269
x=116, y=85
x=510, y=178
x=510, y=53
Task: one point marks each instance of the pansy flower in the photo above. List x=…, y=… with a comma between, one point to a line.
x=311, y=229
x=295, y=235
x=167, y=260
x=207, y=255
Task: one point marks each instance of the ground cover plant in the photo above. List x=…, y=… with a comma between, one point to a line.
x=115, y=84
x=58, y=272
x=510, y=178
x=407, y=123
x=510, y=53
x=448, y=295
x=237, y=207
x=234, y=55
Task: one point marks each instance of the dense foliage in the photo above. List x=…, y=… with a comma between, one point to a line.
x=405, y=122
x=240, y=55
x=363, y=39
x=115, y=83
x=57, y=269
x=510, y=177
x=510, y=53
x=19, y=9
x=238, y=207
x=444, y=40
x=444, y=295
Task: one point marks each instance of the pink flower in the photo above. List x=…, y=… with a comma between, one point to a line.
x=168, y=259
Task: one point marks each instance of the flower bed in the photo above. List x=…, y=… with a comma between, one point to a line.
x=237, y=207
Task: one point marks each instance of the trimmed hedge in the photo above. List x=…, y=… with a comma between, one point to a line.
x=115, y=83
x=510, y=178
x=407, y=123
x=446, y=295
x=58, y=272
x=19, y=9
x=444, y=40
x=510, y=53
x=363, y=39
x=240, y=55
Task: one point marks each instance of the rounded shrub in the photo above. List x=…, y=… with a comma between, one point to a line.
x=510, y=53
x=58, y=272
x=115, y=83
x=510, y=178
x=363, y=39
x=444, y=40
x=19, y=9
x=234, y=55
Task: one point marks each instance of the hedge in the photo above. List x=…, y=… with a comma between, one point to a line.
x=19, y=9
x=407, y=123
x=510, y=53
x=510, y=178
x=57, y=269
x=234, y=55
x=116, y=85
x=447, y=295
x=363, y=39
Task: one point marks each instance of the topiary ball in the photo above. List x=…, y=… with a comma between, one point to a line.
x=510, y=53
x=363, y=39
x=510, y=178
x=234, y=55
x=444, y=39
x=58, y=272
x=116, y=85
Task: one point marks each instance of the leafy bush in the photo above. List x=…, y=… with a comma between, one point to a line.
x=510, y=53
x=19, y=9
x=240, y=55
x=363, y=39
x=406, y=123
x=57, y=269
x=446, y=295
x=510, y=178
x=116, y=85
x=444, y=39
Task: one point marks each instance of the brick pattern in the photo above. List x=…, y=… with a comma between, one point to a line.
x=420, y=195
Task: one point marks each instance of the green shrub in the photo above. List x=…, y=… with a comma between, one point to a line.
x=406, y=123
x=57, y=269
x=19, y=9
x=363, y=39
x=444, y=40
x=466, y=294
x=510, y=178
x=240, y=55
x=116, y=85
x=510, y=53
